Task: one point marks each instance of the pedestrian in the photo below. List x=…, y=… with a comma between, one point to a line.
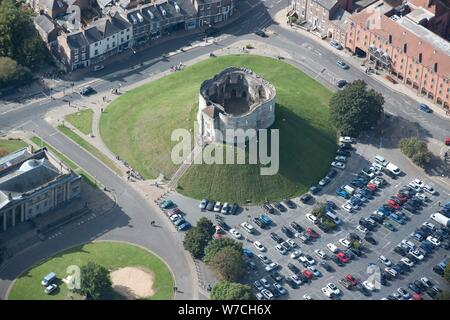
x=101, y=110
x=175, y=289
x=439, y=203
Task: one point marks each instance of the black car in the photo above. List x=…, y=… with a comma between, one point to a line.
x=261, y=33
x=370, y=240
x=315, y=189
x=323, y=227
x=289, y=203
x=287, y=231
x=276, y=237
x=211, y=31
x=409, y=207
x=234, y=209
x=296, y=226
x=363, y=290
x=223, y=225
x=85, y=91
x=414, y=288
x=292, y=283
x=268, y=208
x=280, y=207
x=357, y=252
x=326, y=266
x=438, y=270
x=341, y=83
x=332, y=173
x=293, y=268
x=305, y=198
x=400, y=268
x=259, y=223
x=210, y=205
x=353, y=236
x=276, y=276
x=343, y=152
x=400, y=250
x=385, y=275
x=337, y=261
x=377, y=218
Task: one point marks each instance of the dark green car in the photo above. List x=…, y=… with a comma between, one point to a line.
x=389, y=226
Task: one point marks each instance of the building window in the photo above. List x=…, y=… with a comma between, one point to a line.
x=420, y=57
x=405, y=48
x=390, y=38
x=128, y=38
x=435, y=67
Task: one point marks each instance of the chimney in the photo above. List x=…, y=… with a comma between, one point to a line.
x=30, y=149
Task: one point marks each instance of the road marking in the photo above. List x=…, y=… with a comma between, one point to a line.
x=388, y=243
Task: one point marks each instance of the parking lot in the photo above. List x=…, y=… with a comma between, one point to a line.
x=363, y=155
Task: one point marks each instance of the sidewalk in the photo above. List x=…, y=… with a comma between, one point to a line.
x=280, y=18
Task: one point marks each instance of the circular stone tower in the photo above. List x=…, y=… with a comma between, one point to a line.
x=236, y=98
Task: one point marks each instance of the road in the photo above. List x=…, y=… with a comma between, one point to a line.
x=130, y=221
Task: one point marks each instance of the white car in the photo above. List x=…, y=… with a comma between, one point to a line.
x=414, y=186
x=225, y=208
x=422, y=196
x=434, y=241
x=346, y=140
x=391, y=271
x=327, y=292
x=375, y=170
x=235, y=233
x=280, y=249
x=369, y=285
x=248, y=227
x=312, y=218
x=347, y=207
x=407, y=261
x=264, y=259
x=332, y=248
x=362, y=229
x=217, y=206
x=267, y=294
x=175, y=217
x=332, y=287
x=430, y=189
x=418, y=183
x=49, y=289
x=258, y=245
x=338, y=165
x=341, y=158
x=429, y=225
x=320, y=253
x=291, y=243
x=259, y=296
x=296, y=254
x=377, y=166
x=307, y=297
x=385, y=261
x=345, y=242
x=409, y=244
x=426, y=282
x=417, y=254
x=296, y=279
x=271, y=266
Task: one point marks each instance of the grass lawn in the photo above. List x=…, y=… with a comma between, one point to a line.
x=8, y=146
x=137, y=126
x=72, y=165
x=90, y=148
x=111, y=255
x=81, y=120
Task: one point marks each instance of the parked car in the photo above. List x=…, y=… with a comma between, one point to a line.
x=342, y=64
x=424, y=108
x=341, y=83
x=338, y=165
x=305, y=198
x=335, y=44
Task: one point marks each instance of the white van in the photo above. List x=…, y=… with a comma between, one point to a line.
x=349, y=189
x=381, y=161
x=393, y=168
x=333, y=217
x=247, y=227
x=332, y=248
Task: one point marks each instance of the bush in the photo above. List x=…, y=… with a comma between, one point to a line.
x=195, y=242
x=216, y=245
x=416, y=150
x=95, y=280
x=229, y=264
x=249, y=46
x=225, y=290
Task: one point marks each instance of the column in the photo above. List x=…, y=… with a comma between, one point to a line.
x=22, y=212
x=4, y=220
x=13, y=212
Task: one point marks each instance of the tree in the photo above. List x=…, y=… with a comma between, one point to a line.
x=19, y=38
x=195, y=242
x=216, y=245
x=416, y=150
x=225, y=290
x=229, y=264
x=206, y=226
x=447, y=273
x=12, y=74
x=95, y=280
x=355, y=109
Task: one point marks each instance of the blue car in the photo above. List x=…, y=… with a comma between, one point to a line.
x=355, y=201
x=425, y=108
x=265, y=219
x=397, y=218
x=184, y=226
x=426, y=246
x=385, y=211
x=247, y=252
x=357, y=182
x=367, y=193
x=166, y=204
x=331, y=205
x=342, y=193
x=342, y=64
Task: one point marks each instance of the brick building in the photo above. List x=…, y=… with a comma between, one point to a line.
x=396, y=39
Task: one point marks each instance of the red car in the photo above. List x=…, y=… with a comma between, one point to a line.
x=416, y=296
x=447, y=141
x=352, y=280
x=373, y=187
x=312, y=233
x=308, y=274
x=393, y=204
x=343, y=257
x=402, y=197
